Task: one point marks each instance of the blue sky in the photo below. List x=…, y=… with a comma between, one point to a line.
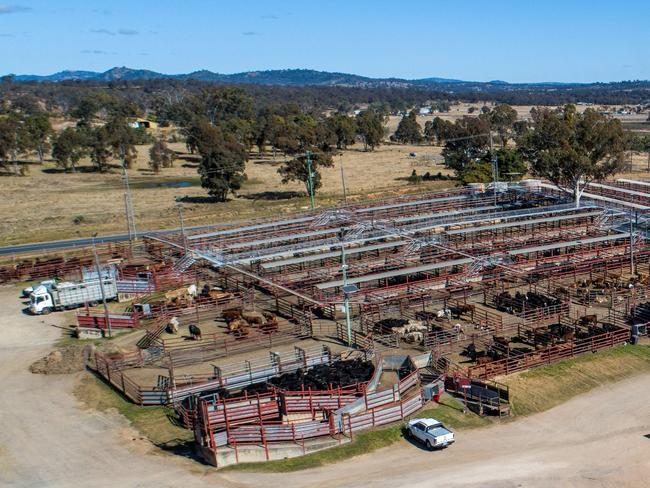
x=517, y=41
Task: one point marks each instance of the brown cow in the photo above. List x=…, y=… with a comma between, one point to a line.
x=588, y=320
x=231, y=314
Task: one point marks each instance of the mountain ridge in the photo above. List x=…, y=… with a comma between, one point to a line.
x=286, y=77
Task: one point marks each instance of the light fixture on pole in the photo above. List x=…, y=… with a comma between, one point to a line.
x=310, y=178
x=348, y=289
x=180, y=216
x=345, y=194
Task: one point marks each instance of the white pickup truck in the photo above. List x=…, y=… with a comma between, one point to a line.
x=430, y=432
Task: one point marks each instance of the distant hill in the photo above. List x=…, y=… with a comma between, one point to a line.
x=309, y=77
x=297, y=77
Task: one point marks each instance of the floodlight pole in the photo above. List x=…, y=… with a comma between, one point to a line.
x=495, y=169
x=631, y=244
x=128, y=203
x=101, y=288
x=180, y=215
x=345, y=195
x=310, y=178
x=346, y=294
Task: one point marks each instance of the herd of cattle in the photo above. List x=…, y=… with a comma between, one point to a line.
x=238, y=323
x=522, y=302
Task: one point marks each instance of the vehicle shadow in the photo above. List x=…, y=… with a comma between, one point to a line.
x=414, y=442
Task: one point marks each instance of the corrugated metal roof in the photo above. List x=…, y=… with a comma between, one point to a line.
x=398, y=272
x=333, y=254
x=620, y=190
x=412, y=203
x=635, y=182
x=555, y=218
x=577, y=242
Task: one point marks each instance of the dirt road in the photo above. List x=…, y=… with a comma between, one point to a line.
x=597, y=439
x=47, y=440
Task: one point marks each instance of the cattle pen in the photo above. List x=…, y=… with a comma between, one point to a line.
x=317, y=325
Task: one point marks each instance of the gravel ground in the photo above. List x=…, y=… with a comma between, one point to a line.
x=46, y=439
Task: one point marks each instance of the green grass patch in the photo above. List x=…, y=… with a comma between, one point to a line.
x=363, y=443
x=546, y=387
x=449, y=411
x=153, y=423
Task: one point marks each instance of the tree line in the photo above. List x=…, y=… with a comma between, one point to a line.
x=568, y=148
x=222, y=124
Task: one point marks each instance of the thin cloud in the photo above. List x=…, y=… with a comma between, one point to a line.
x=128, y=32
x=250, y=33
x=93, y=51
x=102, y=31
x=7, y=35
x=269, y=17
x=13, y=9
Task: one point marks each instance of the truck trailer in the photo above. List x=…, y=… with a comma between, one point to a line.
x=66, y=295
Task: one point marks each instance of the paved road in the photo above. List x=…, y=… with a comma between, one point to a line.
x=66, y=244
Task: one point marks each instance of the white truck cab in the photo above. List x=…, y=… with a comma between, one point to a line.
x=40, y=301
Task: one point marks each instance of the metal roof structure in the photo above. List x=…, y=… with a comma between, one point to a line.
x=405, y=237
x=635, y=182
x=448, y=213
x=577, y=242
x=332, y=254
x=591, y=196
x=279, y=223
x=237, y=230
x=621, y=190
x=505, y=225
x=398, y=272
x=411, y=203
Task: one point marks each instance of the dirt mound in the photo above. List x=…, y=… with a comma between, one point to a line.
x=66, y=360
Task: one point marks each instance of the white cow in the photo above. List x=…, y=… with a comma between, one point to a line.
x=172, y=325
x=192, y=290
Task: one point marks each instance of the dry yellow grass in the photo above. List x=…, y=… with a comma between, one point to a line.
x=48, y=204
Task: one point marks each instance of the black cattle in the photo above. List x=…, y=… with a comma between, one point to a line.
x=195, y=332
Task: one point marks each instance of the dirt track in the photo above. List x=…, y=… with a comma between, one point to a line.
x=47, y=440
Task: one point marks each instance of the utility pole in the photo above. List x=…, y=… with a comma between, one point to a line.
x=346, y=295
x=345, y=195
x=101, y=288
x=495, y=169
x=180, y=215
x=347, y=290
x=310, y=178
x=128, y=204
x=631, y=244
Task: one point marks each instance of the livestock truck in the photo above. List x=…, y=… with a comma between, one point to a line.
x=64, y=295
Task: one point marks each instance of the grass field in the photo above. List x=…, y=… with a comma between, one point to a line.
x=48, y=204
